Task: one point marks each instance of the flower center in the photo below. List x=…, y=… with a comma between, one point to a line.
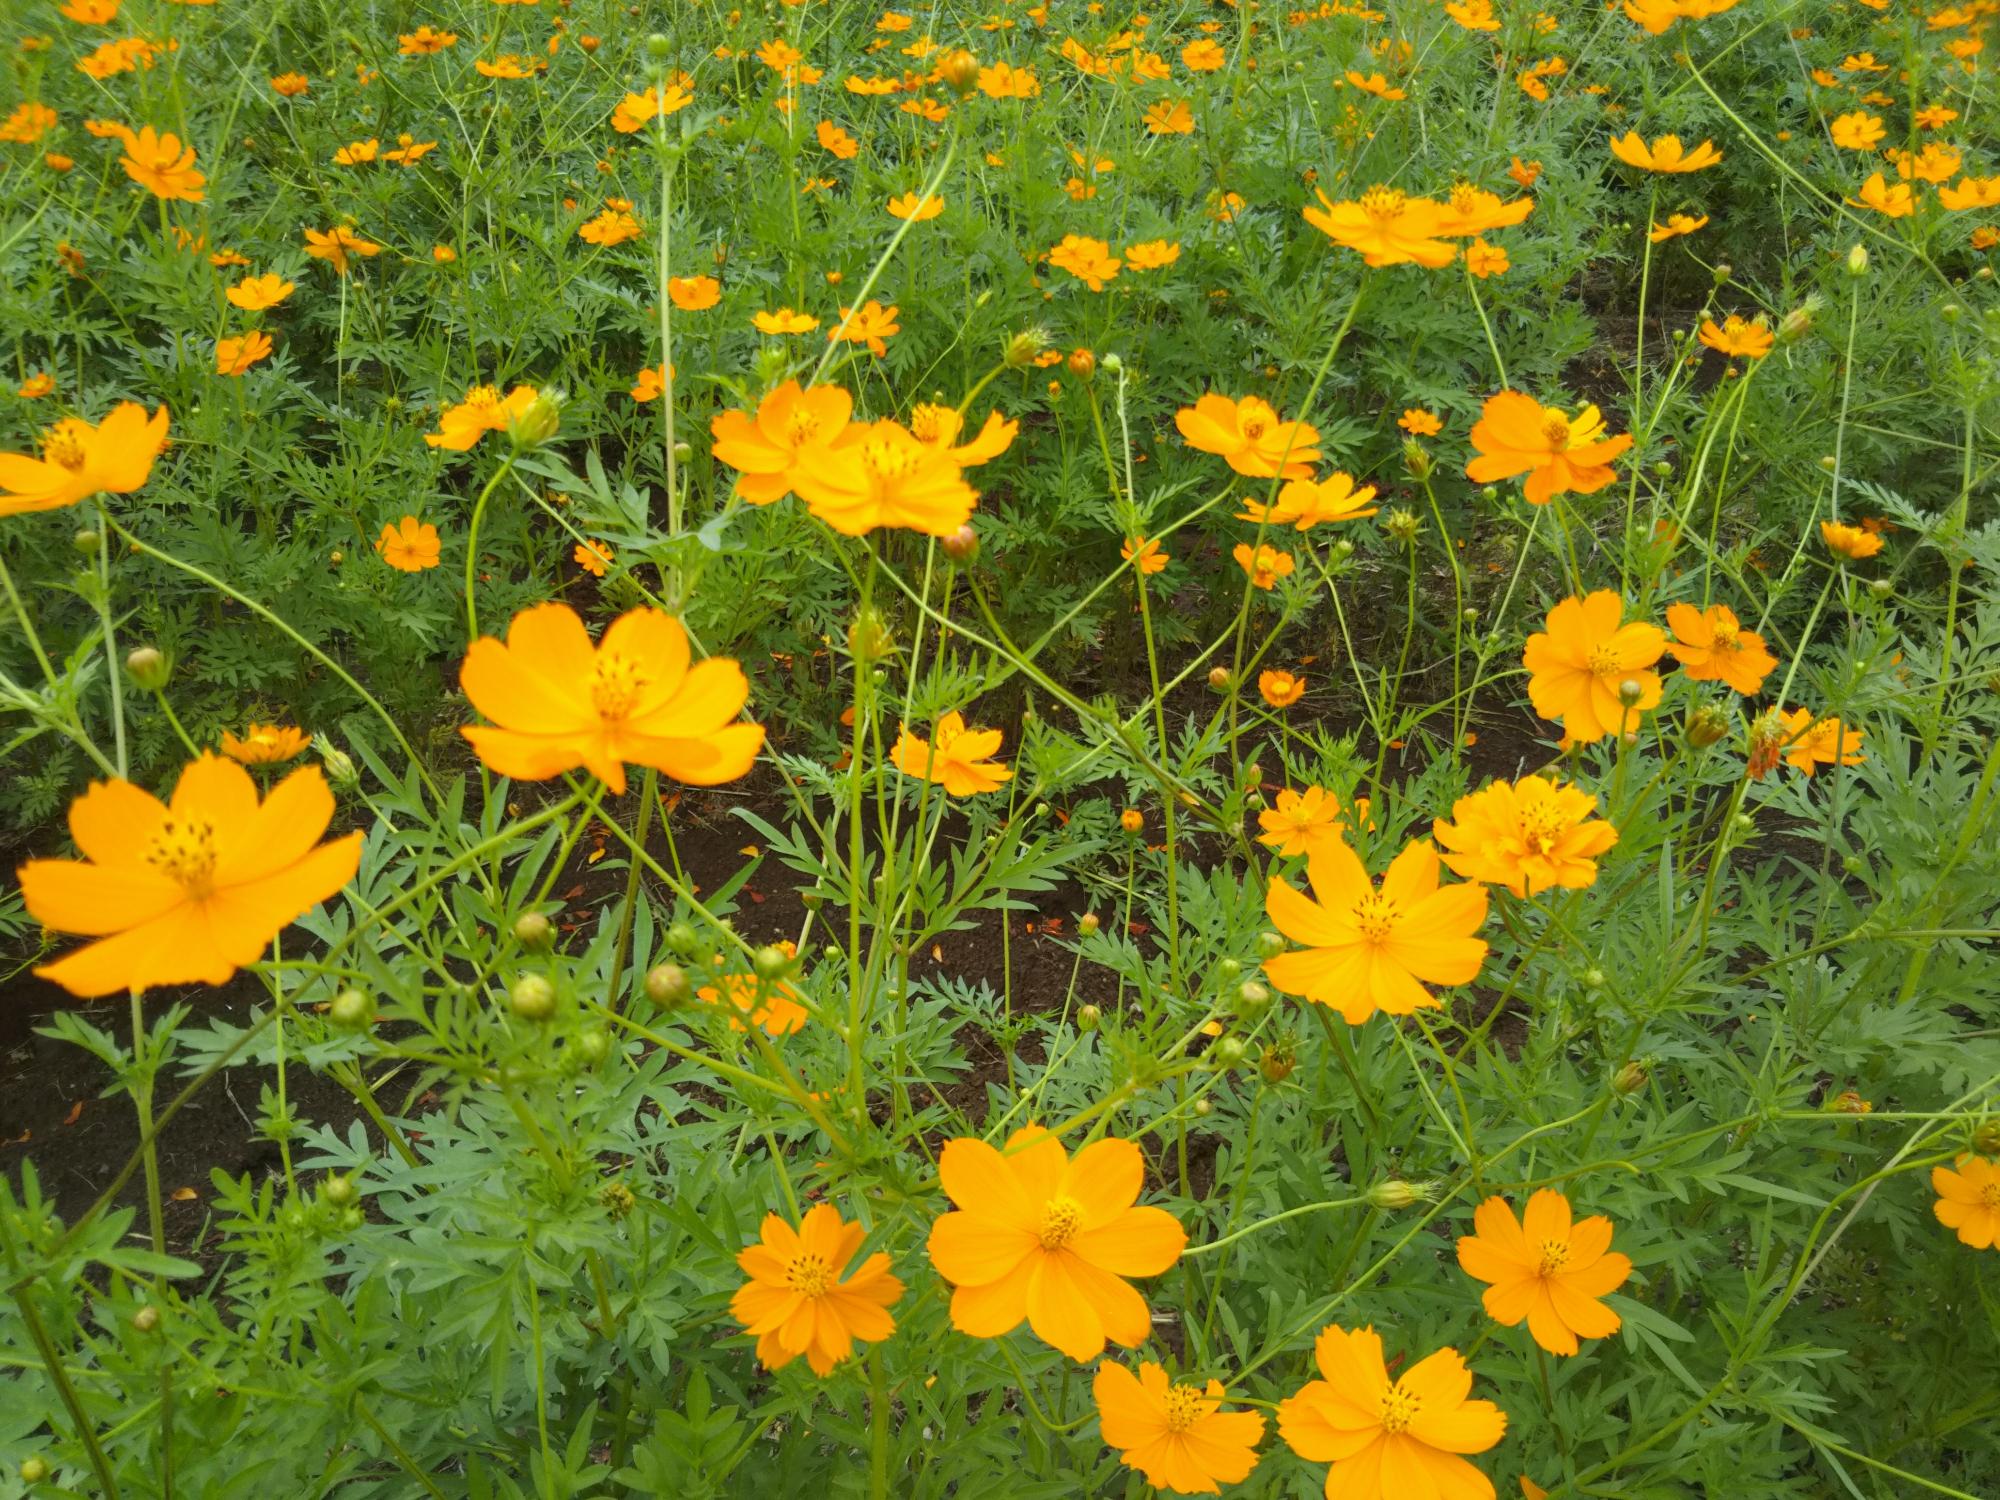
x=1989, y=1196
x=1541, y=827
x=1464, y=197
x=482, y=398
x=926, y=422
x=1183, y=1404
x=1383, y=202
x=183, y=850
x=63, y=444
x=615, y=683
x=1725, y=634
x=890, y=459
x=1603, y=659
x=1254, y=428
x=1555, y=431
x=1555, y=1255
x=1376, y=916
x=801, y=425
x=1061, y=1219
x=809, y=1274
x=1399, y=1408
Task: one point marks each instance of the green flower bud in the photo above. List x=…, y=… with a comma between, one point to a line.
x=1087, y=924
x=338, y=1190
x=146, y=1319
x=1630, y=1079
x=533, y=998
x=771, y=963
x=1088, y=1017
x=535, y=931
x=351, y=1010
x=1228, y=1053
x=681, y=938
x=33, y=1471
x=1251, y=997
x=667, y=985
x=1393, y=1194
x=1269, y=944
x=148, y=667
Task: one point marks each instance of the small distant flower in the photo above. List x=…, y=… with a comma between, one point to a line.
x=90, y=12
x=79, y=460
x=1664, y=155
x=871, y=324
x=614, y=226
x=958, y=759
x=1249, y=436
x=1473, y=15
x=1151, y=255
x=1895, y=200
x=1203, y=56
x=36, y=386
x=162, y=165
x=1737, y=337
x=1484, y=260
x=509, y=65
x=1971, y=192
x=634, y=111
x=557, y=701
x=1524, y=172
x=409, y=151
x=358, y=153
x=1853, y=542
x=1376, y=84
x=1363, y=949
x=443, y=255
x=1005, y=81
x=799, y=1298
x=1265, y=565
x=593, y=557
x=482, y=411
x=424, y=41
x=774, y=1008
x=1305, y=503
x=783, y=321
x=1516, y=434
x=1858, y=131
x=266, y=744
x=1170, y=117
x=1545, y=1269
x=1041, y=1235
x=290, y=85
x=1147, y=557
x=235, y=356
x=1968, y=1200
x=1301, y=822
x=1809, y=743
x=1176, y=1436
x=256, y=293
x=1390, y=1440
x=1418, y=422
x=1281, y=689
x=1712, y=646
x=409, y=546
x=832, y=138
x=1579, y=665
x=1087, y=259
x=28, y=123
x=693, y=293
x=1934, y=116
x=339, y=246
x=1527, y=835
x=1386, y=227
x=1677, y=224
x=915, y=207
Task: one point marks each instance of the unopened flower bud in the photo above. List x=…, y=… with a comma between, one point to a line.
x=1228, y=1053
x=1275, y=1063
x=146, y=1319
x=1593, y=978
x=1722, y=273
x=1111, y=364
x=539, y=423
x=659, y=47
x=1828, y=462
x=1132, y=820
x=1630, y=1079
x=681, y=938
x=1204, y=1107
x=1857, y=261
x=1393, y=1194
x=533, y=930
x=1797, y=323
x=338, y=1190
x=1227, y=971
x=351, y=1010
x=1218, y=677
x=1342, y=550
x=667, y=985
x=1087, y=924
x=87, y=542
x=338, y=764
x=1881, y=588
x=1023, y=347
x=962, y=546
x=1402, y=525
x=869, y=637
x=1706, y=726
x=1986, y=1137
x=1269, y=944
x=1082, y=363
x=1251, y=998
x=148, y=667
x=533, y=998
x=1417, y=462
x=958, y=70
x=1087, y=1018
x=33, y=1470
x=772, y=962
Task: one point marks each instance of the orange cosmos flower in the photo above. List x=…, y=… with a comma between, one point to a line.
x=1664, y=155
x=290, y=85
x=265, y=744
x=162, y=165
x=79, y=460
x=1484, y=260
x=757, y=1002
x=409, y=546
x=1968, y=1200
x=766, y=449
x=511, y=65
x=635, y=110
x=915, y=207
x=1527, y=835
x=799, y=1299
x=358, y=153
x=871, y=324
x=1265, y=565
x=1087, y=259
x=1305, y=503
x=1896, y=200
x=1151, y=255
x=482, y=411
x=424, y=41
x=256, y=293
x=957, y=758
x=614, y=226
x=1677, y=224
x=558, y=701
x=36, y=386
x=878, y=474
x=1204, y=56
x=1147, y=557
x=1419, y=423
x=1473, y=210
x=593, y=557
x=1850, y=541
x=1301, y=822
x=1176, y=1436
x=783, y=321
x=1390, y=1440
x=832, y=138
x=186, y=892
x=90, y=12
x=1249, y=436
x=1809, y=743
x=1523, y=172
x=649, y=384
x=236, y=356
x=1712, y=646
x=1736, y=336
x=1857, y=131
x=1042, y=1236
x=939, y=427
x=1545, y=1269
x=694, y=293
x=1971, y=192
x=1005, y=81
x=338, y=245
x=1170, y=117
x=1367, y=950
x=28, y=123
x=1580, y=666
x=1281, y=689
x=1386, y=226
x=1516, y=434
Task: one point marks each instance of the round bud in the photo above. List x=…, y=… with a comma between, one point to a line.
x=1227, y=971
x=1087, y=1018
x=1218, y=677
x=1132, y=820
x=1253, y=773
x=681, y=939
x=1828, y=462
x=1593, y=978
x=1251, y=997
x=533, y=998
x=683, y=451
x=771, y=962
x=658, y=47
x=1950, y=312
x=1229, y=1052
x=87, y=542
x=148, y=667
x=1743, y=824
x=146, y=1319
x=667, y=985
x=1087, y=924
x=1857, y=261
x=1269, y=944
x=338, y=1190
x=1630, y=1079
x=1629, y=739
x=351, y=1010
x=958, y=70
x=1111, y=364
x=1722, y=273
x=1392, y=1194
x=1986, y=1137
x=1203, y=1108
x=593, y=1046
x=533, y=930
x=1881, y=588
x=1469, y=615
x=1082, y=363
x=33, y=1471
x=1630, y=691
x=962, y=546
x=1275, y=1064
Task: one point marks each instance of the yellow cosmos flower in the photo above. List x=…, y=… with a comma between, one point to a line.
x=79, y=460
x=957, y=758
x=1527, y=835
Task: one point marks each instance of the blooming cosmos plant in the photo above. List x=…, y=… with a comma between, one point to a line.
x=1176, y=1436
x=1546, y=1269
x=800, y=1298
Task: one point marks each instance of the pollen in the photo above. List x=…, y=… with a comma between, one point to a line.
x=1061, y=1219
x=1555, y=1255
x=615, y=684
x=801, y=425
x=1556, y=431
x=63, y=444
x=808, y=1274
x=183, y=850
x=1376, y=917
x=1383, y=202
x=1400, y=1407
x=1184, y=1403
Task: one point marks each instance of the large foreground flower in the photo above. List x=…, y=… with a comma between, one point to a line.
x=765, y=448
x=1365, y=950
x=1968, y=1200
x=958, y=759
x=1527, y=835
x=558, y=702
x=1386, y=227
x=186, y=892
x=1516, y=434
x=1390, y=1440
x=1249, y=436
x=1544, y=1268
x=162, y=165
x=796, y=1301
x=1579, y=667
x=1177, y=1436
x=78, y=460
x=1040, y=1235
x=876, y=475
